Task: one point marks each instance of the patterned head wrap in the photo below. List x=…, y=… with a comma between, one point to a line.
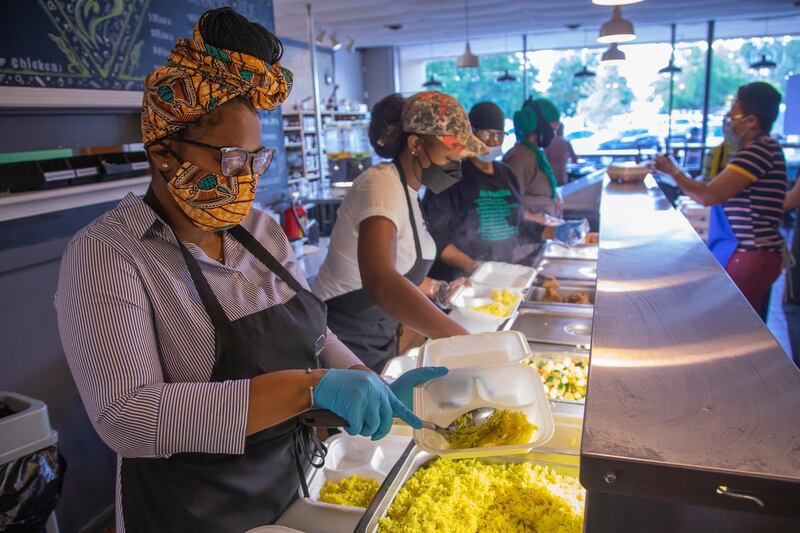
x=199, y=77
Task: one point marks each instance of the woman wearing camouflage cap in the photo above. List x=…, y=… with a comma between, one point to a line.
x=375, y=274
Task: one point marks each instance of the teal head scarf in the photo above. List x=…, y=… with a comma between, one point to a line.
x=525, y=123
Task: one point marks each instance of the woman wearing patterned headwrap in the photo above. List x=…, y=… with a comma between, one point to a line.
x=534, y=126
x=186, y=321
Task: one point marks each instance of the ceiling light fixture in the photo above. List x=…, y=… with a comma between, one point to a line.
x=467, y=59
x=321, y=36
x=506, y=78
x=671, y=68
x=763, y=63
x=335, y=44
x=616, y=30
x=350, y=44
x=613, y=56
x=584, y=72
x=432, y=83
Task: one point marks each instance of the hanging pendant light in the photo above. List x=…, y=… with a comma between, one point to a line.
x=671, y=68
x=763, y=63
x=506, y=78
x=584, y=72
x=613, y=56
x=432, y=83
x=615, y=2
x=467, y=59
x=616, y=30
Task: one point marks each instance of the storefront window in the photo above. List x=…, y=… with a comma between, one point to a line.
x=626, y=108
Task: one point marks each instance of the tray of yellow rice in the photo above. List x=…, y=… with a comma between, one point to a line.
x=530, y=492
x=475, y=350
x=355, y=467
x=515, y=391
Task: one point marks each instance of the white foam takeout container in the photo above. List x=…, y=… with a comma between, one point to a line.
x=347, y=456
x=397, y=366
x=504, y=275
x=510, y=385
x=494, y=348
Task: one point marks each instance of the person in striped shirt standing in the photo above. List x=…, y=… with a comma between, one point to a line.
x=747, y=195
x=186, y=321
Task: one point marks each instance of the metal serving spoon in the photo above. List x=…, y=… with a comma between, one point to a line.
x=479, y=417
x=322, y=418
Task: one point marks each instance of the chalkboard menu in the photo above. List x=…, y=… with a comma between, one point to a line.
x=99, y=44
x=111, y=45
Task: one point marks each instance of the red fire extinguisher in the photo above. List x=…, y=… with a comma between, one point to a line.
x=295, y=219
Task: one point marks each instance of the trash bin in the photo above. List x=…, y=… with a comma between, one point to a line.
x=31, y=469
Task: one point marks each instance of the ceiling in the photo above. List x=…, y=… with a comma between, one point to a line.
x=426, y=21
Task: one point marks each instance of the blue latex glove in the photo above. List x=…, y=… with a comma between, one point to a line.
x=361, y=398
x=403, y=387
x=572, y=232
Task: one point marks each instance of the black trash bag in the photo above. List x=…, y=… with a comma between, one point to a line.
x=29, y=490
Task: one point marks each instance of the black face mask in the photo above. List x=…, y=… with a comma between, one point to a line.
x=438, y=178
x=544, y=131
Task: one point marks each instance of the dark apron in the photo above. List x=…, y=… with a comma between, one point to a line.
x=233, y=493
x=357, y=320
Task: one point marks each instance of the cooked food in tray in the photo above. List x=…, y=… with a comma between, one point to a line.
x=551, y=294
x=467, y=495
x=564, y=378
x=504, y=302
x=354, y=491
x=502, y=428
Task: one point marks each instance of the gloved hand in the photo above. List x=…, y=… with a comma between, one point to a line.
x=572, y=232
x=361, y=398
x=403, y=387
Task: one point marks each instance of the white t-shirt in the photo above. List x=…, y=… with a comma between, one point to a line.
x=376, y=192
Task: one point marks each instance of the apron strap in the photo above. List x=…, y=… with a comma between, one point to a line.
x=214, y=309
x=315, y=454
x=417, y=245
x=252, y=245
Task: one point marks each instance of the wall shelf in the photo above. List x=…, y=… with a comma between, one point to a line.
x=27, y=204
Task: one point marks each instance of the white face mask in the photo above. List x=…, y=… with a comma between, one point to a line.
x=495, y=152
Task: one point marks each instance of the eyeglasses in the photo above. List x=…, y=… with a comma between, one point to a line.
x=493, y=137
x=232, y=159
x=730, y=118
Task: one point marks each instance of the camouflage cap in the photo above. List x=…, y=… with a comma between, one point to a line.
x=438, y=114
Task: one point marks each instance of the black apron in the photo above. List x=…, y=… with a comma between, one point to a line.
x=357, y=320
x=233, y=493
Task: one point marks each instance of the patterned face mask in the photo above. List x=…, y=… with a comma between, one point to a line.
x=212, y=201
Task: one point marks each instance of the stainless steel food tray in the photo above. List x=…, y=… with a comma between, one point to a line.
x=536, y=294
x=555, y=324
x=568, y=269
x=573, y=408
x=555, y=250
x=414, y=458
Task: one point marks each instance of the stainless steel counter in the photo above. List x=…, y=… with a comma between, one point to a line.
x=690, y=396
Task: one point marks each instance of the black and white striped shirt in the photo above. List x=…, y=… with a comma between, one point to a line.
x=755, y=212
x=139, y=342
